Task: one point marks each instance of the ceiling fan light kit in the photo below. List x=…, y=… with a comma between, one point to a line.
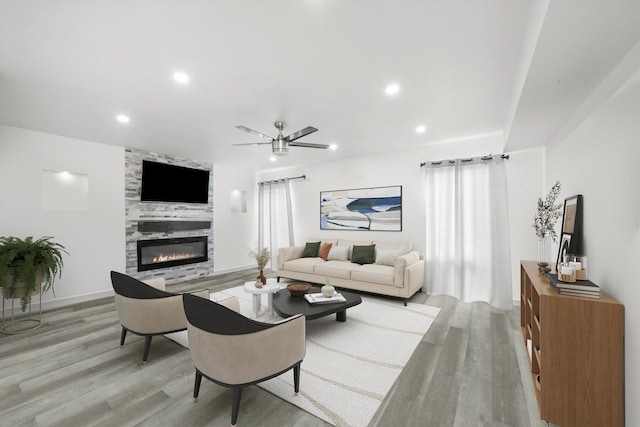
x=280, y=145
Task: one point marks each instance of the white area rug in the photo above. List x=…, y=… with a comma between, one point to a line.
x=349, y=367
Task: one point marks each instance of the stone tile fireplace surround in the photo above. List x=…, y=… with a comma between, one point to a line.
x=169, y=222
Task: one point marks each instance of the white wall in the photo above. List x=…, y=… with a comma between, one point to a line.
x=600, y=160
x=94, y=237
x=234, y=233
x=376, y=170
x=526, y=182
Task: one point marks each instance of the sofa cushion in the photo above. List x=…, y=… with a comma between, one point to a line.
x=338, y=253
x=373, y=273
x=302, y=265
x=387, y=256
x=351, y=243
x=311, y=250
x=324, y=251
x=405, y=247
x=338, y=269
x=363, y=254
x=323, y=241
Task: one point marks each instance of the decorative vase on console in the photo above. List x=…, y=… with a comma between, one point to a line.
x=262, y=257
x=544, y=223
x=543, y=253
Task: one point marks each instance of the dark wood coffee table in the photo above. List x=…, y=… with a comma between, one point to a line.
x=286, y=305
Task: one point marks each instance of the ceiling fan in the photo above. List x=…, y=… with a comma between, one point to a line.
x=280, y=145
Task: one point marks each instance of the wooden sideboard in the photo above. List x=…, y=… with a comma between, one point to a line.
x=576, y=352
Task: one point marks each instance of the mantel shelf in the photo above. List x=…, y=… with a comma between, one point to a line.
x=169, y=226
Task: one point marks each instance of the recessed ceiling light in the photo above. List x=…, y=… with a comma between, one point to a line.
x=181, y=78
x=392, y=89
x=122, y=118
x=333, y=147
x=421, y=129
x=272, y=158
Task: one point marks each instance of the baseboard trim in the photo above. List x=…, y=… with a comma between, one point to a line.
x=52, y=304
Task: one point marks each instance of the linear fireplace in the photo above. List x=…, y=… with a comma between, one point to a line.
x=161, y=253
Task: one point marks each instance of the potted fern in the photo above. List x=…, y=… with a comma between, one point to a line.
x=26, y=265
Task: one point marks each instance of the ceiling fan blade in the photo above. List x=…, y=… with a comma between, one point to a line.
x=254, y=143
x=255, y=132
x=308, y=145
x=300, y=133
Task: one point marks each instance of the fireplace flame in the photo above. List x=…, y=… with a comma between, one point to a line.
x=174, y=257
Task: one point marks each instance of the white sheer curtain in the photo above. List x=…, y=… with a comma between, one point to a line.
x=275, y=222
x=467, y=254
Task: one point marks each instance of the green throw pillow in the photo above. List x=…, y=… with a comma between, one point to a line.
x=363, y=254
x=311, y=250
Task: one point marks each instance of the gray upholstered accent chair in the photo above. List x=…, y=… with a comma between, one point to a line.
x=147, y=309
x=234, y=351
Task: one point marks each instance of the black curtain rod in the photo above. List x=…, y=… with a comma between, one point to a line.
x=274, y=181
x=451, y=162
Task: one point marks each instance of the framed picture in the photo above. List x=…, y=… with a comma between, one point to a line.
x=372, y=209
x=569, y=215
x=571, y=231
x=565, y=243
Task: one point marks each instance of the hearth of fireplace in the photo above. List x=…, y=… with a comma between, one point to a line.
x=162, y=253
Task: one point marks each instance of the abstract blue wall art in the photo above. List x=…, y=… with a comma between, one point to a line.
x=372, y=209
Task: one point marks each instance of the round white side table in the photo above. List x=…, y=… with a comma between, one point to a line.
x=269, y=288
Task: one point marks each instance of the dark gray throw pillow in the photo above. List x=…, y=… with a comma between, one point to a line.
x=363, y=254
x=311, y=250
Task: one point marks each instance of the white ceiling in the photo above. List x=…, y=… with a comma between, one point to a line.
x=528, y=69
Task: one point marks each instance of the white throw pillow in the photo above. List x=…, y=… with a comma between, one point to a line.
x=387, y=256
x=338, y=253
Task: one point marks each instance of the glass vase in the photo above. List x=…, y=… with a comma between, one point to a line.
x=543, y=253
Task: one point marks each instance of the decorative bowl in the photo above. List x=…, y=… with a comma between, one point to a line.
x=298, y=289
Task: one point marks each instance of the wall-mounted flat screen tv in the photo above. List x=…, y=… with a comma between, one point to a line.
x=162, y=182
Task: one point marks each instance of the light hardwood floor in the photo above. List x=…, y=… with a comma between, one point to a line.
x=469, y=370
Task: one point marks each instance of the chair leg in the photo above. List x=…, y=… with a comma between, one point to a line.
x=296, y=378
x=147, y=347
x=123, y=335
x=237, y=395
x=196, y=386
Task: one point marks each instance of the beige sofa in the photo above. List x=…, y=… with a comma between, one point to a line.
x=397, y=271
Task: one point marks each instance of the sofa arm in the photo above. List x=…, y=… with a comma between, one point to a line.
x=403, y=262
x=289, y=253
x=414, y=275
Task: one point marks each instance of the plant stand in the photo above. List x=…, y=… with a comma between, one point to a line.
x=13, y=326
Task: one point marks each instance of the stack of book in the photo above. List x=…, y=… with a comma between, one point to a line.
x=582, y=288
x=321, y=299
